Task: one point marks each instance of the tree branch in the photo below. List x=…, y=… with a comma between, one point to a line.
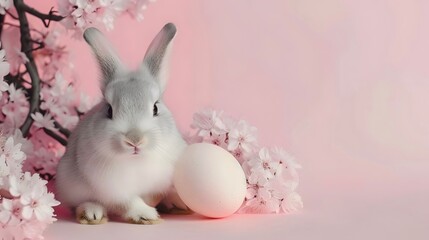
x=62, y=130
x=26, y=46
x=46, y=18
x=11, y=15
x=55, y=136
x=2, y=17
x=57, y=125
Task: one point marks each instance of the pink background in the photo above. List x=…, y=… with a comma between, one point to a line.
x=342, y=85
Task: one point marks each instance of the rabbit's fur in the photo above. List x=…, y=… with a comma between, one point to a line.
x=123, y=164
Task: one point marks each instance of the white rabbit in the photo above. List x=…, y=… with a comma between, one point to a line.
x=121, y=156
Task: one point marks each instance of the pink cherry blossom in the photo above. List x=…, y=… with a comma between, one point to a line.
x=271, y=174
x=208, y=123
x=43, y=121
x=33, y=229
x=5, y=5
x=4, y=169
x=138, y=8
x=13, y=155
x=26, y=144
x=217, y=139
x=242, y=136
x=292, y=202
x=15, y=113
x=54, y=57
x=3, y=87
x=4, y=70
x=238, y=154
x=38, y=202
x=85, y=103
x=10, y=211
x=16, y=95
x=46, y=160
x=263, y=203
x=254, y=183
x=12, y=46
x=263, y=163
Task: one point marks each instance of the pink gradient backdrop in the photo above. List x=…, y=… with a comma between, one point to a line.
x=342, y=85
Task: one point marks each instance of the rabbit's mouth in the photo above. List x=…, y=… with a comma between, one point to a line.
x=136, y=151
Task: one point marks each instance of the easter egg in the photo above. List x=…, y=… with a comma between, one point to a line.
x=210, y=181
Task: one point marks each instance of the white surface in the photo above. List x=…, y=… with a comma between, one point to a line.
x=343, y=200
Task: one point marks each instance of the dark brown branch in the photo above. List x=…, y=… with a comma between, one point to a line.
x=55, y=136
x=16, y=80
x=10, y=24
x=26, y=46
x=62, y=130
x=2, y=17
x=11, y=15
x=57, y=125
x=46, y=18
x=41, y=45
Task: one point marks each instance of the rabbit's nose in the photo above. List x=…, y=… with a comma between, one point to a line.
x=133, y=138
x=133, y=144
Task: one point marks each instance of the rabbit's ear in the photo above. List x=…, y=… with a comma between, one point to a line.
x=157, y=56
x=107, y=58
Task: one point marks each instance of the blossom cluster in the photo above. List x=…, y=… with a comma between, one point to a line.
x=81, y=14
x=271, y=173
x=26, y=206
x=59, y=105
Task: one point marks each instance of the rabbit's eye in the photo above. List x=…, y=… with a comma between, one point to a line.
x=155, y=110
x=110, y=112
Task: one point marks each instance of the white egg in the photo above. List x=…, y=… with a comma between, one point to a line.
x=210, y=180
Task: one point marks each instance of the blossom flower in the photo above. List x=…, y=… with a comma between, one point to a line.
x=271, y=173
x=243, y=136
x=54, y=57
x=38, y=202
x=217, y=139
x=15, y=113
x=292, y=202
x=209, y=123
x=4, y=70
x=255, y=181
x=67, y=120
x=16, y=95
x=10, y=211
x=5, y=5
x=84, y=13
x=12, y=46
x=26, y=144
x=13, y=155
x=43, y=121
x=285, y=159
x=33, y=229
x=85, y=103
x=139, y=7
x=46, y=160
x=4, y=169
x=28, y=197
x=3, y=87
x=263, y=203
x=263, y=163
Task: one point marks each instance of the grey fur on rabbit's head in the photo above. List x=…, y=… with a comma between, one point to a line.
x=135, y=113
x=123, y=151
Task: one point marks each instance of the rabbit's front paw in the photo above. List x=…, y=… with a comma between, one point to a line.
x=91, y=213
x=142, y=214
